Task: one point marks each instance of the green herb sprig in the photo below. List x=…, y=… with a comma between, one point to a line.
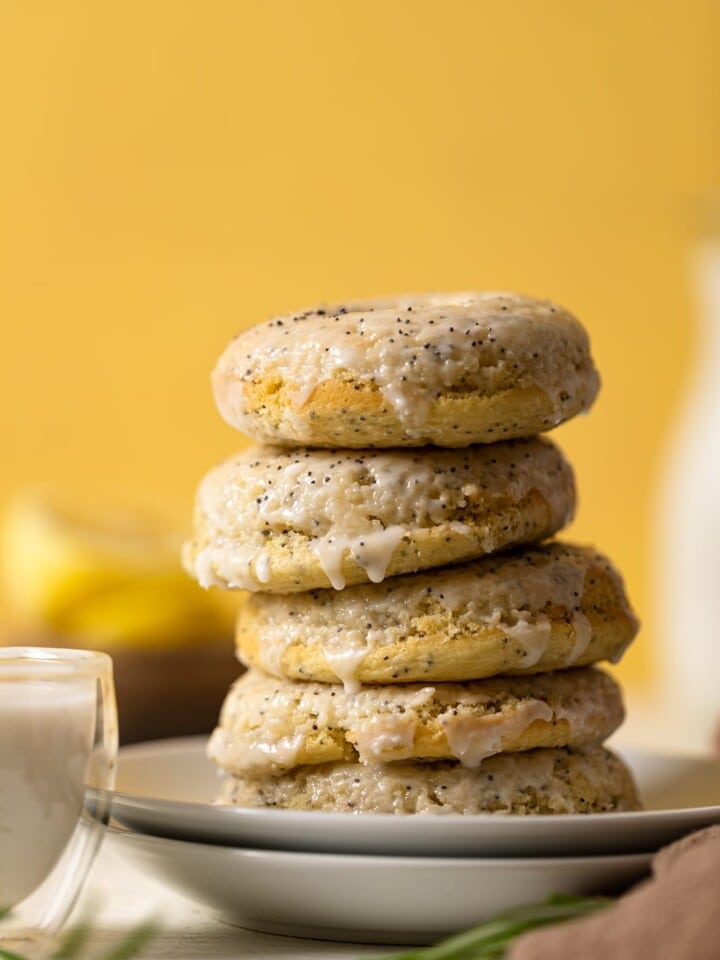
x=73, y=943
x=490, y=940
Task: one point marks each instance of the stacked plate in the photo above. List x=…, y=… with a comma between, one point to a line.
x=385, y=878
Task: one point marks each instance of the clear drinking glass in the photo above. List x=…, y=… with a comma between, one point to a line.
x=58, y=752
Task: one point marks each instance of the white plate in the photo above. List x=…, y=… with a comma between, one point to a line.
x=364, y=898
x=166, y=787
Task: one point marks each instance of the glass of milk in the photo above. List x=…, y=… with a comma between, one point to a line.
x=58, y=751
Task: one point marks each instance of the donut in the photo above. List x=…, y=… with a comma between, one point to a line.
x=544, y=781
x=283, y=521
x=270, y=726
x=529, y=610
x=449, y=370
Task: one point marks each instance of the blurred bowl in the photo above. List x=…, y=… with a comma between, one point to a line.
x=161, y=692
x=106, y=576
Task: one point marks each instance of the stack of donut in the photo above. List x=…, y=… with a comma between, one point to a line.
x=415, y=640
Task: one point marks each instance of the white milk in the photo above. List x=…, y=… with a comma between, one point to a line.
x=46, y=736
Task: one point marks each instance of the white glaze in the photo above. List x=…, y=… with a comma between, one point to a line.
x=385, y=738
x=344, y=661
x=532, y=636
x=583, y=635
x=262, y=566
x=473, y=739
x=256, y=752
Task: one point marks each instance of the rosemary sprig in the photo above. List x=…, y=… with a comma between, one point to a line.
x=133, y=943
x=490, y=940
x=9, y=955
x=73, y=942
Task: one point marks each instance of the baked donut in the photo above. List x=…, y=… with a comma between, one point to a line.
x=270, y=726
x=284, y=521
x=528, y=610
x=450, y=370
x=550, y=781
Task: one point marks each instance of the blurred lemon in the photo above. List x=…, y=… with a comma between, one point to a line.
x=107, y=573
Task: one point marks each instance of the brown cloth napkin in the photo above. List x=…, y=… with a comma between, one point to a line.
x=673, y=916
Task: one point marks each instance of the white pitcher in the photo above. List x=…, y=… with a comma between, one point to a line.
x=688, y=560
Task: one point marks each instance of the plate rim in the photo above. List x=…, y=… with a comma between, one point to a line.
x=385, y=859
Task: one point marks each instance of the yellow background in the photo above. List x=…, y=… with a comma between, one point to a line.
x=172, y=170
